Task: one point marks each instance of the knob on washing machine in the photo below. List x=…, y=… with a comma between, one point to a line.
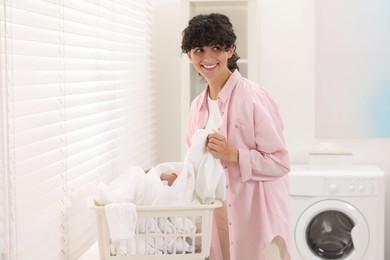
x=333, y=188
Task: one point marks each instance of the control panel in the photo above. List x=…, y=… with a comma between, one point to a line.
x=351, y=186
x=361, y=180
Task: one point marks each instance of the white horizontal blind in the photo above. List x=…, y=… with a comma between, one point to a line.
x=80, y=108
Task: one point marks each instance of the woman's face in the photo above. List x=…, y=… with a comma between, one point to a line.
x=210, y=61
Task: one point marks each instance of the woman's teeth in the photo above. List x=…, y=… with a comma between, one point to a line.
x=210, y=66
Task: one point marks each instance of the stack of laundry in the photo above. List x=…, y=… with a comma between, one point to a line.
x=200, y=180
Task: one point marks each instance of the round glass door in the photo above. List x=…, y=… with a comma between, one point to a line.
x=328, y=235
x=331, y=229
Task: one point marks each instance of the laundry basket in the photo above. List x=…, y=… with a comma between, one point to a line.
x=163, y=232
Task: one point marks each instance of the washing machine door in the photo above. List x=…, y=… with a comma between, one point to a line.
x=332, y=229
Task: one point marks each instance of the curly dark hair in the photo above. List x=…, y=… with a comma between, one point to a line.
x=210, y=29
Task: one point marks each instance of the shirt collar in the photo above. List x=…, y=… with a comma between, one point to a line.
x=229, y=85
x=225, y=92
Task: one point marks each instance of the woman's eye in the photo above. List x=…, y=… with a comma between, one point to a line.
x=216, y=48
x=197, y=50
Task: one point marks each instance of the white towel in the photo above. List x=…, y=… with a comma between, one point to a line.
x=209, y=174
x=131, y=186
x=121, y=220
x=200, y=176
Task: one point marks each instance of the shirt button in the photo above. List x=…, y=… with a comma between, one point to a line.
x=225, y=167
x=222, y=113
x=227, y=186
x=230, y=223
x=230, y=205
x=236, y=126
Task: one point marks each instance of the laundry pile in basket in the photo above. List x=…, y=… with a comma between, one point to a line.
x=200, y=180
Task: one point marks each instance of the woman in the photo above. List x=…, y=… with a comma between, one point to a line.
x=254, y=223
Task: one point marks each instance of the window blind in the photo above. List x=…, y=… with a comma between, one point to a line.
x=78, y=105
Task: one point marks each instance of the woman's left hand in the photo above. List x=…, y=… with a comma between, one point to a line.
x=168, y=177
x=217, y=145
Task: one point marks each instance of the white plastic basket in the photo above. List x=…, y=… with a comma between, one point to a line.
x=166, y=244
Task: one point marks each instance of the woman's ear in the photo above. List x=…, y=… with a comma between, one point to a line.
x=230, y=53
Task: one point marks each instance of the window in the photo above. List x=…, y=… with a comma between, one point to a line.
x=78, y=101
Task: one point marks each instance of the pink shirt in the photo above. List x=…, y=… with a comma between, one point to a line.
x=257, y=198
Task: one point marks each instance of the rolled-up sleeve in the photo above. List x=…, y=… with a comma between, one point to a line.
x=269, y=159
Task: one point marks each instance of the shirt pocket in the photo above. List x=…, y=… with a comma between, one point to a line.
x=242, y=135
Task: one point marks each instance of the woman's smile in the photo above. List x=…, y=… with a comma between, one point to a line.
x=209, y=67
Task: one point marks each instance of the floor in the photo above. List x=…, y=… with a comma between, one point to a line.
x=91, y=254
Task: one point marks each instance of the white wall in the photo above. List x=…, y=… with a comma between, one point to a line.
x=168, y=52
x=286, y=69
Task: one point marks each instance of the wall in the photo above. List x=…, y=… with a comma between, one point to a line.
x=287, y=41
x=167, y=67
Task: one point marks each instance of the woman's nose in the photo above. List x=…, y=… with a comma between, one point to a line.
x=208, y=54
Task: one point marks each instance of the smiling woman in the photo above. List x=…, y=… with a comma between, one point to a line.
x=72, y=74
x=209, y=42
x=247, y=138
x=211, y=63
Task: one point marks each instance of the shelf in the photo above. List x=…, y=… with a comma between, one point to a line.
x=242, y=61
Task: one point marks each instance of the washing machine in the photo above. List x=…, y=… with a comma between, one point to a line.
x=337, y=213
